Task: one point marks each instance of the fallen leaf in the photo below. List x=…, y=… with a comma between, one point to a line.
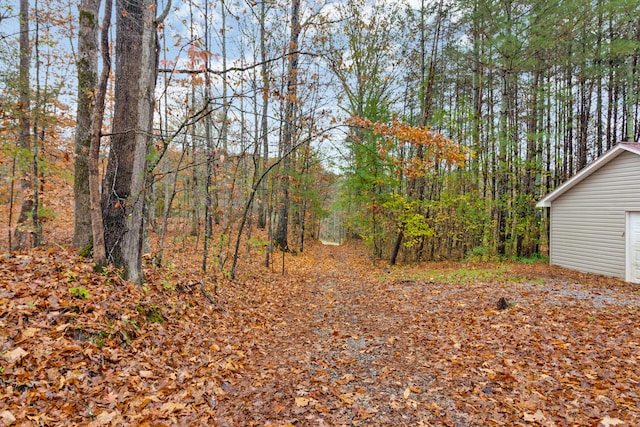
x=346, y=379
x=14, y=355
x=346, y=398
x=7, y=418
x=170, y=407
x=537, y=417
x=608, y=421
x=104, y=418
x=456, y=343
x=111, y=397
x=322, y=409
x=302, y=402
x=28, y=333
x=62, y=327
x=407, y=392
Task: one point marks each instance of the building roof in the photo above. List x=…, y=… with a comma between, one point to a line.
x=633, y=147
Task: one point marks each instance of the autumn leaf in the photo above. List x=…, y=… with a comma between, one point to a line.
x=346, y=379
x=7, y=418
x=301, y=402
x=169, y=407
x=346, y=398
x=407, y=393
x=111, y=397
x=14, y=355
x=105, y=418
x=538, y=416
x=608, y=421
x=28, y=333
x=145, y=374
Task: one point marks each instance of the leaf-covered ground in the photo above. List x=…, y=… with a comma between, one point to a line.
x=335, y=341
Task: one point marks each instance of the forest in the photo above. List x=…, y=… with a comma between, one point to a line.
x=428, y=129
x=315, y=213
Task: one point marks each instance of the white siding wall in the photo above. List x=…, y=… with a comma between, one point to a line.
x=588, y=222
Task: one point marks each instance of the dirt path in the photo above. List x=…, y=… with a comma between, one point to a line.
x=345, y=357
x=344, y=344
x=358, y=366
x=334, y=342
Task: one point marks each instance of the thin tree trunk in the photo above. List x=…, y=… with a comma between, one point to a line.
x=24, y=133
x=289, y=124
x=264, y=122
x=97, y=223
x=35, y=115
x=396, y=248
x=87, y=66
x=210, y=168
x=169, y=196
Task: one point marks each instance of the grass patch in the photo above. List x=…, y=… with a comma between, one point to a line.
x=531, y=259
x=498, y=273
x=152, y=313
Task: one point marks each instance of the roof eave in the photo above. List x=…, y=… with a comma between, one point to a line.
x=587, y=171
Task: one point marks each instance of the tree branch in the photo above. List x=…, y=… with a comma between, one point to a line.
x=232, y=69
x=164, y=13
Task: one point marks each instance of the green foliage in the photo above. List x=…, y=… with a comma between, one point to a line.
x=531, y=259
x=81, y=292
x=46, y=214
x=257, y=243
x=369, y=180
x=86, y=251
x=478, y=253
x=100, y=338
x=410, y=221
x=152, y=313
x=153, y=156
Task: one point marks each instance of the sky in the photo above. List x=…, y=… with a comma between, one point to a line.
x=241, y=30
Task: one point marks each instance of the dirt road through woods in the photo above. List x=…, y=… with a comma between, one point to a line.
x=333, y=342
x=340, y=342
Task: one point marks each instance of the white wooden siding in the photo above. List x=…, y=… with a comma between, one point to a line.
x=588, y=222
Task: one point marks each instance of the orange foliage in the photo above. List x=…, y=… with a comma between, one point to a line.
x=434, y=146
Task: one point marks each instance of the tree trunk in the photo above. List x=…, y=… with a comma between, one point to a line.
x=288, y=132
x=87, y=66
x=396, y=248
x=264, y=119
x=97, y=223
x=24, y=142
x=124, y=199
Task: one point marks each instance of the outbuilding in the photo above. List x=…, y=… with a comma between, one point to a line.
x=595, y=216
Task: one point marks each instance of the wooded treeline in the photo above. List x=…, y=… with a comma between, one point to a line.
x=438, y=123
